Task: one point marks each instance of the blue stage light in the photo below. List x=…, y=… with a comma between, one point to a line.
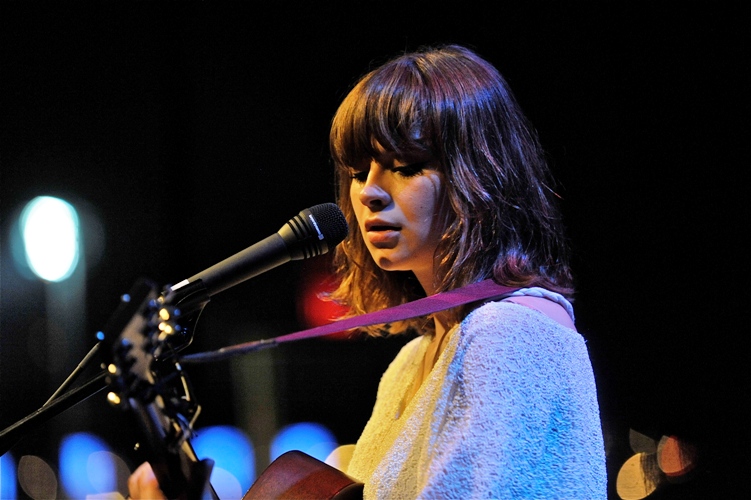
x=84, y=470
x=7, y=476
x=233, y=455
x=309, y=437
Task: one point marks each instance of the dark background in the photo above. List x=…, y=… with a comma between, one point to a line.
x=186, y=131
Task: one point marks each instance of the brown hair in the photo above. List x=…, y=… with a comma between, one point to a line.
x=503, y=221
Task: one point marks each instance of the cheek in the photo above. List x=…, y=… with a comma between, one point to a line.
x=354, y=200
x=429, y=199
x=435, y=213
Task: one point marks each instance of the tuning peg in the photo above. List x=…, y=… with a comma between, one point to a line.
x=114, y=399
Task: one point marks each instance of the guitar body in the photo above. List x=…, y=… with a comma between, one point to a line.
x=300, y=476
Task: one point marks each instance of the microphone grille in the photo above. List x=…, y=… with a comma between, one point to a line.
x=331, y=221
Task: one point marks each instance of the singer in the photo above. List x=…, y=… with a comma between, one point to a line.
x=443, y=183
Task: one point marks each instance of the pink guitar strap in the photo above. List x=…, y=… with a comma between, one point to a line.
x=486, y=289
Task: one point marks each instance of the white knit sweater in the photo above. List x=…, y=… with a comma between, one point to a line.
x=509, y=411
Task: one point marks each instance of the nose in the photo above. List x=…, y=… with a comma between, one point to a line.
x=374, y=192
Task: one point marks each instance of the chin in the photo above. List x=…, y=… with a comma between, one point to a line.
x=388, y=264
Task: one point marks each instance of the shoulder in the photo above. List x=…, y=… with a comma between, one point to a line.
x=549, y=308
x=520, y=312
x=513, y=316
x=500, y=330
x=515, y=356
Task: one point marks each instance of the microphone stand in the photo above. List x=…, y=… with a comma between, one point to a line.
x=56, y=404
x=11, y=435
x=194, y=297
x=81, y=367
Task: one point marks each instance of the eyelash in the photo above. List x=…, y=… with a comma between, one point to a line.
x=411, y=170
x=360, y=176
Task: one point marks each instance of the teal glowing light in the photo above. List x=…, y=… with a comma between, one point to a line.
x=51, y=238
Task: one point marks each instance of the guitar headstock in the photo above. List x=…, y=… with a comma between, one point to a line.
x=142, y=339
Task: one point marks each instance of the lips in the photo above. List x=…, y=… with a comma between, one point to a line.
x=382, y=234
x=377, y=225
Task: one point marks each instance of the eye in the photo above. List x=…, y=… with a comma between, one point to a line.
x=360, y=176
x=411, y=170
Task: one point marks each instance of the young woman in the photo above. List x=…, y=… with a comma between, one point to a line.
x=443, y=183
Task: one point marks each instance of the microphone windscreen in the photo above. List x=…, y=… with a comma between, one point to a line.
x=331, y=223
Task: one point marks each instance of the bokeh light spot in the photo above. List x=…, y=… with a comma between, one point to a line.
x=51, y=237
x=36, y=477
x=312, y=438
x=116, y=469
x=233, y=455
x=7, y=476
x=79, y=474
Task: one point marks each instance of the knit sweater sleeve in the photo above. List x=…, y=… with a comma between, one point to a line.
x=521, y=418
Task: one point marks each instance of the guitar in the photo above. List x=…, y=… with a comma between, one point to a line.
x=298, y=475
x=144, y=376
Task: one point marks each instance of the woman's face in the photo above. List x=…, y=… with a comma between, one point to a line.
x=397, y=208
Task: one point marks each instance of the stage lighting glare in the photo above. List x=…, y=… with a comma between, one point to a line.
x=50, y=229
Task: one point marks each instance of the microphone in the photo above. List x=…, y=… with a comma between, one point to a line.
x=312, y=232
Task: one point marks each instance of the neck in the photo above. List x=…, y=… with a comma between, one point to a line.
x=426, y=280
x=436, y=347
x=441, y=324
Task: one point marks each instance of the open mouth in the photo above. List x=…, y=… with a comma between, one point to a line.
x=383, y=228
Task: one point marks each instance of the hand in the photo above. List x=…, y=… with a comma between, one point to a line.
x=142, y=484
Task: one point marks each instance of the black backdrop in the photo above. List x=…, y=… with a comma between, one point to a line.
x=186, y=131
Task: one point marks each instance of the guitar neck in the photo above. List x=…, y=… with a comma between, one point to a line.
x=179, y=472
